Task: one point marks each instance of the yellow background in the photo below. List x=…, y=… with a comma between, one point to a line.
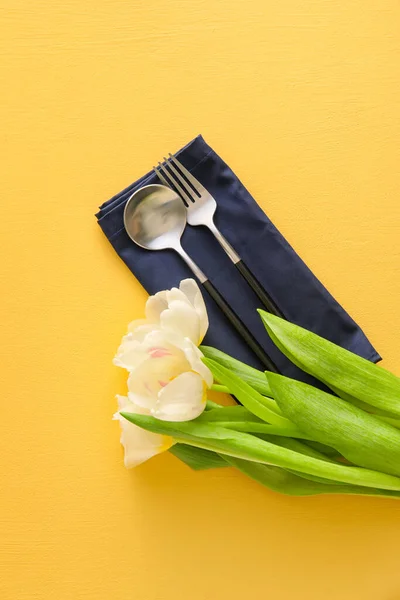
x=301, y=98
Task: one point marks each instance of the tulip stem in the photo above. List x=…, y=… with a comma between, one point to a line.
x=211, y=405
x=223, y=389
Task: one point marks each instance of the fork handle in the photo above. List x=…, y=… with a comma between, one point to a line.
x=256, y=286
x=253, y=282
x=240, y=327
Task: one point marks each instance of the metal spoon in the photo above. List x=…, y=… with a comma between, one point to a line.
x=155, y=218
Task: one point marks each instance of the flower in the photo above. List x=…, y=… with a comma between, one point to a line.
x=180, y=311
x=139, y=444
x=167, y=378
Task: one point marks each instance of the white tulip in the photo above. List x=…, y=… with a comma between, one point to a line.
x=166, y=375
x=139, y=444
x=167, y=378
x=181, y=311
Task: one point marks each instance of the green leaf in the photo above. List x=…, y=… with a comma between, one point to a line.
x=261, y=406
x=252, y=376
x=197, y=458
x=347, y=373
x=303, y=449
x=296, y=445
x=263, y=428
x=327, y=451
x=274, y=478
x=392, y=422
x=241, y=419
x=282, y=481
x=229, y=413
x=242, y=445
x=360, y=437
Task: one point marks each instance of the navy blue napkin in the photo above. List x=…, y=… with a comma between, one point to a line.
x=289, y=282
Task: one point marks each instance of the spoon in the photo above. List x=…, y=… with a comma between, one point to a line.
x=155, y=219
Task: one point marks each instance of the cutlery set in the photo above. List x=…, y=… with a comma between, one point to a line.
x=155, y=218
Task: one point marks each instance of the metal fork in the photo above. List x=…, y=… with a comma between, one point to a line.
x=201, y=207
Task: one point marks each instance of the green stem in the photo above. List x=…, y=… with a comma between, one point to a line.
x=222, y=389
x=247, y=427
x=253, y=377
x=263, y=407
x=210, y=405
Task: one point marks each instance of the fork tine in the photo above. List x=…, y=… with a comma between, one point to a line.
x=161, y=176
x=195, y=183
x=180, y=183
x=171, y=182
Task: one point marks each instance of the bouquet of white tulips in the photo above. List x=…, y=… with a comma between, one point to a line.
x=290, y=436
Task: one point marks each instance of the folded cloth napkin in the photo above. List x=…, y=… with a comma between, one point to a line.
x=290, y=283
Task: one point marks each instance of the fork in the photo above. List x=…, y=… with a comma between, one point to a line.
x=201, y=207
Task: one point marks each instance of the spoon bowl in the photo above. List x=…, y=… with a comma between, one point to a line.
x=155, y=217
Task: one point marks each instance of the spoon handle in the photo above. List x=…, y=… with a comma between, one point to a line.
x=240, y=327
x=190, y=263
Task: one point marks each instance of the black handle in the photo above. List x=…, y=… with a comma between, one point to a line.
x=240, y=327
x=256, y=286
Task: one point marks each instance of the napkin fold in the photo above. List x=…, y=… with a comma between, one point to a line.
x=290, y=283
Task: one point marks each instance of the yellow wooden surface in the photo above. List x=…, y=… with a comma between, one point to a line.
x=301, y=98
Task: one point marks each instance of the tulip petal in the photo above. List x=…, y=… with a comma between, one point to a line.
x=183, y=399
x=139, y=444
x=192, y=291
x=148, y=378
x=181, y=318
x=189, y=292
x=175, y=294
x=194, y=357
x=139, y=327
x=155, y=305
x=129, y=354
